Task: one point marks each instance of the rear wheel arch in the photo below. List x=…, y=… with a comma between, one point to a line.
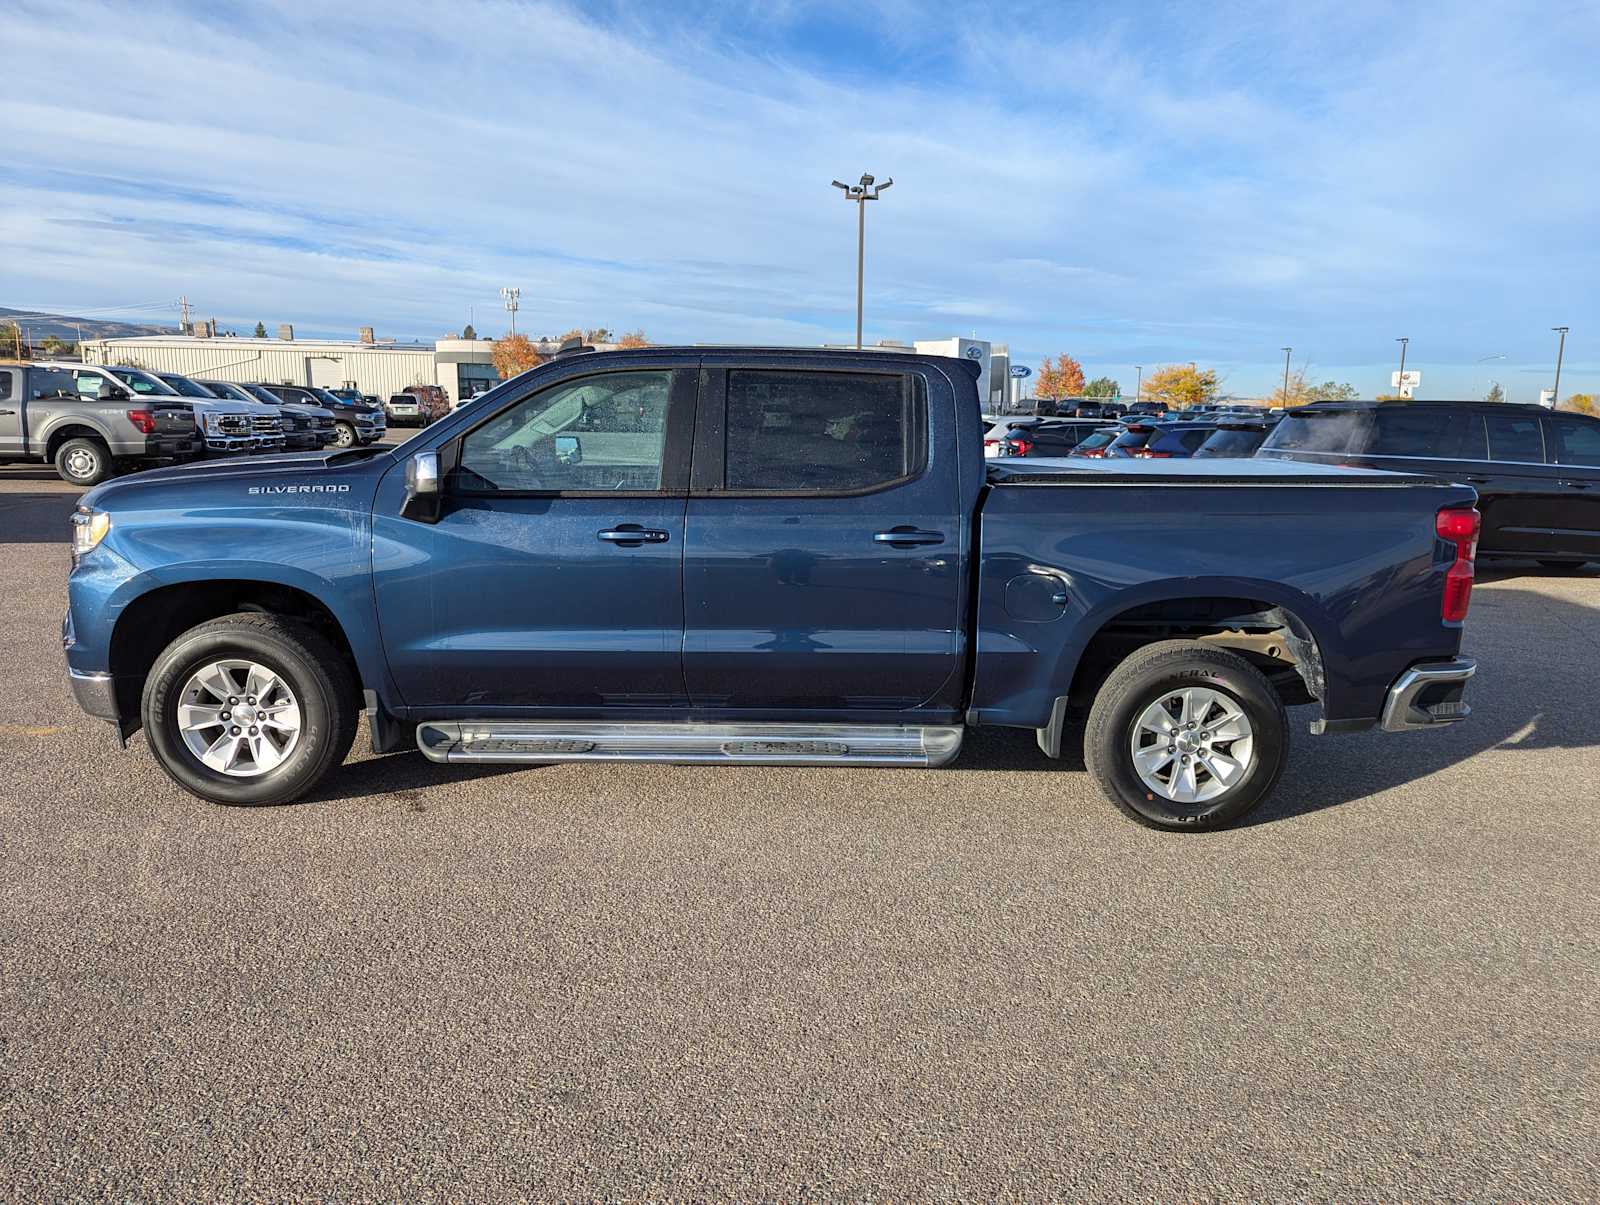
x=72, y=429
x=1273, y=633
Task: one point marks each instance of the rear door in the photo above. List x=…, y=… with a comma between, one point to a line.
x=1573, y=444
x=13, y=387
x=822, y=551
x=1519, y=495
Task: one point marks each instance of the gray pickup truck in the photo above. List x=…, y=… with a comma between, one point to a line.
x=44, y=417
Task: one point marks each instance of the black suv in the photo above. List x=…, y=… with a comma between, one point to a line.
x=1537, y=473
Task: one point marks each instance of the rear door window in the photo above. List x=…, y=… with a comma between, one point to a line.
x=1575, y=441
x=827, y=432
x=1515, y=437
x=1426, y=432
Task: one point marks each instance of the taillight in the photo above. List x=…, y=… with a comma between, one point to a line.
x=1020, y=447
x=1459, y=526
x=1150, y=455
x=143, y=420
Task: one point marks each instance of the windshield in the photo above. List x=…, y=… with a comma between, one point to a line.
x=1134, y=438
x=326, y=397
x=186, y=387
x=143, y=382
x=1231, y=443
x=1330, y=431
x=226, y=389
x=1097, y=439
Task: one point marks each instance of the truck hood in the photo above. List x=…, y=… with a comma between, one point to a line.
x=288, y=473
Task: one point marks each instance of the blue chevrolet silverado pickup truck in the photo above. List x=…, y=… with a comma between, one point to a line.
x=760, y=555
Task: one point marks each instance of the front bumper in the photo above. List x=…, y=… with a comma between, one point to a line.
x=96, y=693
x=1428, y=695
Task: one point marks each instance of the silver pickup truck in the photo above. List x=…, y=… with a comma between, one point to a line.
x=45, y=416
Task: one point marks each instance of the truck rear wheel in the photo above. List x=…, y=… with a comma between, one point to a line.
x=83, y=461
x=1186, y=736
x=249, y=709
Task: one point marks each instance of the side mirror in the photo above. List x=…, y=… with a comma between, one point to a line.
x=424, y=489
x=569, y=449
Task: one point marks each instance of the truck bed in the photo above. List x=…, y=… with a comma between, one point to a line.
x=1087, y=471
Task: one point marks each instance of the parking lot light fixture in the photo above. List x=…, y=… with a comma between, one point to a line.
x=1287, y=352
x=1560, y=350
x=1138, y=385
x=867, y=190
x=1400, y=389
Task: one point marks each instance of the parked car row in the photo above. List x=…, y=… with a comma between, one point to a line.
x=1537, y=473
x=94, y=421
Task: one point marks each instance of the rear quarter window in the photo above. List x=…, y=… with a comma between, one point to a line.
x=1515, y=438
x=1427, y=432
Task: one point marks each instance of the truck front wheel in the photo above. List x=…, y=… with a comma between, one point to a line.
x=344, y=435
x=249, y=709
x=1186, y=736
x=83, y=461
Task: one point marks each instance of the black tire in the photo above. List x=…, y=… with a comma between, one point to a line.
x=1142, y=679
x=313, y=670
x=84, y=461
x=344, y=435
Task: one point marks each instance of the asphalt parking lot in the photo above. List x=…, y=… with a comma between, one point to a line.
x=690, y=981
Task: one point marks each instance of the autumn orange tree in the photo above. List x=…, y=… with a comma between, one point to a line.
x=1059, y=378
x=1583, y=403
x=513, y=354
x=633, y=339
x=1180, y=385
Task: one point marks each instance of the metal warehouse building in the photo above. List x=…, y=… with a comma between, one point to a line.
x=461, y=367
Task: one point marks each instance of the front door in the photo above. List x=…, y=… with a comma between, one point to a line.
x=13, y=383
x=823, y=550
x=552, y=583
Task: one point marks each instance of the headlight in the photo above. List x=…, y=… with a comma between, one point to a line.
x=89, y=527
x=213, y=422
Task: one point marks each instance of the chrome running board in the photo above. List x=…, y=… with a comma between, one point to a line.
x=538, y=742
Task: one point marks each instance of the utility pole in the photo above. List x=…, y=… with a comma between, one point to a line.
x=510, y=295
x=1138, y=387
x=1287, y=352
x=862, y=193
x=1400, y=389
x=1560, y=351
x=183, y=315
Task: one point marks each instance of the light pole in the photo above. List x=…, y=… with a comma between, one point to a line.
x=1287, y=352
x=510, y=296
x=1560, y=350
x=1400, y=389
x=1138, y=387
x=861, y=193
x=1492, y=381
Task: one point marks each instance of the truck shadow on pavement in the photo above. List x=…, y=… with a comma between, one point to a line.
x=28, y=517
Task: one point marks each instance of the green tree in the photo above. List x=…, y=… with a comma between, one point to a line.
x=1332, y=391
x=1495, y=394
x=468, y=333
x=1102, y=387
x=261, y=330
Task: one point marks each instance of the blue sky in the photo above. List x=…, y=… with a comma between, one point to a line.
x=1131, y=183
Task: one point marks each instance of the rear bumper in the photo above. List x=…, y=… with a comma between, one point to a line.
x=1428, y=695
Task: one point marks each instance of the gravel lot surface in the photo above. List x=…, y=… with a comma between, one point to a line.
x=672, y=981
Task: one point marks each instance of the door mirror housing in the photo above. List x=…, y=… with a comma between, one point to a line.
x=424, y=488
x=569, y=449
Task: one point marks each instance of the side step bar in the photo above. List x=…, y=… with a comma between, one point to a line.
x=538, y=742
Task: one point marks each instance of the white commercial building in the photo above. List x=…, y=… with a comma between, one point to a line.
x=461, y=367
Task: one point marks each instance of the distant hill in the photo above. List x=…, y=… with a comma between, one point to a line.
x=37, y=327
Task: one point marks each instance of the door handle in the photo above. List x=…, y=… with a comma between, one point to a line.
x=1478, y=480
x=632, y=535
x=7, y=411
x=907, y=537
x=1571, y=485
